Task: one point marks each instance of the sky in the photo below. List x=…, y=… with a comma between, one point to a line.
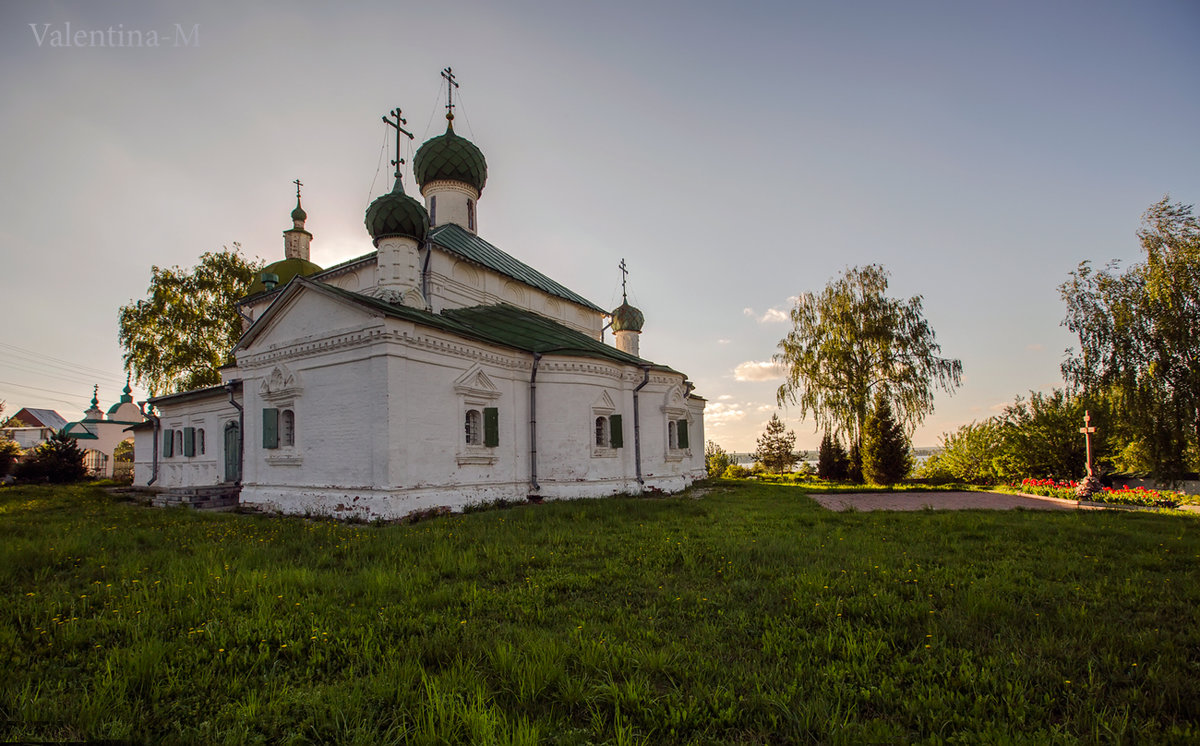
x=735, y=154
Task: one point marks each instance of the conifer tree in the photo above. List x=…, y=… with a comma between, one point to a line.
x=885, y=455
x=832, y=461
x=775, y=448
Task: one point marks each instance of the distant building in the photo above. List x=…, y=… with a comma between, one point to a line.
x=36, y=426
x=99, y=433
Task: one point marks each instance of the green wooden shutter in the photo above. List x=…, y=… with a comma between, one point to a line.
x=491, y=427
x=270, y=428
x=168, y=444
x=189, y=441
x=683, y=434
x=615, y=438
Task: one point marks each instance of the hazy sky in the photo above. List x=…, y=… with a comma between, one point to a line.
x=736, y=154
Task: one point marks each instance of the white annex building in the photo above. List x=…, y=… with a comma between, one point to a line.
x=435, y=371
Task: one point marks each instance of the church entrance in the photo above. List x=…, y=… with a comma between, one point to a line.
x=233, y=451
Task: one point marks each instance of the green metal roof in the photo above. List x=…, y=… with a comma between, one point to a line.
x=284, y=270
x=458, y=240
x=502, y=325
x=450, y=156
x=397, y=214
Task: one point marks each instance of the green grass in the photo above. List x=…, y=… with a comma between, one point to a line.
x=744, y=615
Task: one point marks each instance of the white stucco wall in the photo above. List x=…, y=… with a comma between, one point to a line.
x=211, y=414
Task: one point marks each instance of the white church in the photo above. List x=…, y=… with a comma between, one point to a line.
x=435, y=371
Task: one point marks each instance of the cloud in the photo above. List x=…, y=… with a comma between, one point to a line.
x=764, y=408
x=1035, y=347
x=723, y=341
x=724, y=397
x=718, y=413
x=753, y=370
x=771, y=316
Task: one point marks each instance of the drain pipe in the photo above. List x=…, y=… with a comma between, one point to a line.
x=425, y=276
x=157, y=424
x=637, y=427
x=241, y=433
x=533, y=482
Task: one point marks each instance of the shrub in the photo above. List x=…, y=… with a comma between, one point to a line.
x=716, y=459
x=736, y=471
x=9, y=453
x=58, y=460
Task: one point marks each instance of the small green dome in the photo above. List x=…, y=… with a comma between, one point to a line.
x=284, y=270
x=627, y=319
x=299, y=213
x=397, y=214
x=450, y=157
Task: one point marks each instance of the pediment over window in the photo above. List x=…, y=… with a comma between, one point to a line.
x=604, y=403
x=281, y=383
x=476, y=383
x=674, y=403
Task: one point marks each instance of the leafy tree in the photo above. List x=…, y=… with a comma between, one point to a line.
x=885, y=452
x=852, y=340
x=716, y=459
x=736, y=471
x=970, y=454
x=123, y=451
x=1041, y=437
x=1138, y=334
x=776, y=448
x=177, y=338
x=832, y=462
x=58, y=460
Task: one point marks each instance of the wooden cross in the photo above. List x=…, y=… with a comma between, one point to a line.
x=399, y=130
x=1087, y=431
x=624, y=275
x=451, y=84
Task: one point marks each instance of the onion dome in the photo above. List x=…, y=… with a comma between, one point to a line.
x=397, y=214
x=452, y=158
x=126, y=398
x=283, y=272
x=299, y=214
x=626, y=318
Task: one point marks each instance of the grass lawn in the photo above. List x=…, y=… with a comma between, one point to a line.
x=744, y=615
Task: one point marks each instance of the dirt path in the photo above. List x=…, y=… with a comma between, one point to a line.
x=940, y=501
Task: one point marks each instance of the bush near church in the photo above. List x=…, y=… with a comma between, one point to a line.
x=58, y=460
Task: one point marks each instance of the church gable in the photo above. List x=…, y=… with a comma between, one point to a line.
x=303, y=311
x=476, y=383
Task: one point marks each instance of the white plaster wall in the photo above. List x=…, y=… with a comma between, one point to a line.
x=211, y=415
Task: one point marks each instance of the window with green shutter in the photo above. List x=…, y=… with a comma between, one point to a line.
x=615, y=438
x=168, y=443
x=683, y=433
x=491, y=427
x=189, y=441
x=270, y=428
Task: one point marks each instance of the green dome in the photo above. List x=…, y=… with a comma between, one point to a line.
x=299, y=213
x=397, y=214
x=450, y=157
x=285, y=270
x=627, y=319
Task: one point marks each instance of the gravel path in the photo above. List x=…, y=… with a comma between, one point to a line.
x=940, y=501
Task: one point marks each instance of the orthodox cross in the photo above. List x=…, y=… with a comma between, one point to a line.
x=298, y=185
x=1087, y=431
x=624, y=275
x=451, y=84
x=96, y=395
x=399, y=130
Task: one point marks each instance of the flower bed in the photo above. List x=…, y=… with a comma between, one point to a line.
x=1124, y=495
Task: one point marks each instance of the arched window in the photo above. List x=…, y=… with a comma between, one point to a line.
x=433, y=210
x=470, y=214
x=672, y=435
x=179, y=442
x=287, y=428
x=602, y=439
x=473, y=427
x=200, y=441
